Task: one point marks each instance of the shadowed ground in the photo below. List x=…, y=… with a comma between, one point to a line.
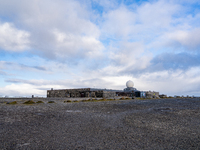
x=128, y=124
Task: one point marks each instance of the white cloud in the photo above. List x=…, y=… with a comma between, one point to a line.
x=119, y=22
x=166, y=82
x=139, y=22
x=156, y=14
x=127, y=52
x=171, y=82
x=13, y=39
x=186, y=39
x=70, y=44
x=190, y=39
x=70, y=18
x=25, y=90
x=20, y=87
x=127, y=58
x=19, y=90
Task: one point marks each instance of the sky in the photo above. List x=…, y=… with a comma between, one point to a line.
x=64, y=44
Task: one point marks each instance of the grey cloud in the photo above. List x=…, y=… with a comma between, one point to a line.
x=39, y=68
x=172, y=61
x=33, y=67
x=6, y=63
x=166, y=61
x=3, y=73
x=31, y=82
x=18, y=81
x=190, y=40
x=93, y=82
x=22, y=66
x=34, y=82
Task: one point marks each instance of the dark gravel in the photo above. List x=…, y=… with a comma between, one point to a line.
x=129, y=124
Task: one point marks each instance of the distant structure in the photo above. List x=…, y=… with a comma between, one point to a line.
x=129, y=85
x=129, y=91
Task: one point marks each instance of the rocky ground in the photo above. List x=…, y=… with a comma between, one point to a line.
x=122, y=124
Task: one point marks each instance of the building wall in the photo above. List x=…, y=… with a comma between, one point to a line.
x=140, y=94
x=109, y=94
x=69, y=93
x=85, y=92
x=152, y=94
x=91, y=93
x=128, y=94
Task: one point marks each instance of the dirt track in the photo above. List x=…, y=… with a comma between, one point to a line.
x=128, y=124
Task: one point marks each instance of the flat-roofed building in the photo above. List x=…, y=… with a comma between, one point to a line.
x=129, y=91
x=82, y=92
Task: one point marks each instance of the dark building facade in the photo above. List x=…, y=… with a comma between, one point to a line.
x=83, y=92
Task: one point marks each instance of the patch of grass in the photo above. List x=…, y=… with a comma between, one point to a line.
x=110, y=99
x=14, y=102
x=93, y=100
x=89, y=100
x=85, y=100
x=141, y=98
x=51, y=102
x=67, y=101
x=125, y=98
x=29, y=102
x=96, y=100
x=75, y=101
x=103, y=99
x=39, y=102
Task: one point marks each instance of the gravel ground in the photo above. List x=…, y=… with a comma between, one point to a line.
x=129, y=124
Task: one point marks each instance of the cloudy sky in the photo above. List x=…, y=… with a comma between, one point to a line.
x=99, y=43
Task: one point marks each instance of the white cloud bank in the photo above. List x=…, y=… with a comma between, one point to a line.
x=57, y=29
x=190, y=39
x=70, y=44
x=13, y=39
x=166, y=82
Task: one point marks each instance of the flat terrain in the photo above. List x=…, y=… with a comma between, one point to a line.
x=122, y=124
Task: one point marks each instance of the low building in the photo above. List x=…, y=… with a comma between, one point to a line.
x=130, y=91
x=83, y=92
x=152, y=94
x=163, y=96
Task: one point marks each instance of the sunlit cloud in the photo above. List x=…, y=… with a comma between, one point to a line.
x=13, y=39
